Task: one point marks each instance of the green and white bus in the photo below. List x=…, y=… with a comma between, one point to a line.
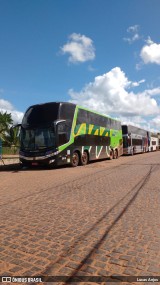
x=59, y=133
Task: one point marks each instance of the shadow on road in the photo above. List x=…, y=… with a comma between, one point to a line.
x=17, y=167
x=125, y=208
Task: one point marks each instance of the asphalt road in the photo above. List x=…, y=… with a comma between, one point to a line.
x=102, y=219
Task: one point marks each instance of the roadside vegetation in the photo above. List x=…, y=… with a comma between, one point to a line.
x=9, y=140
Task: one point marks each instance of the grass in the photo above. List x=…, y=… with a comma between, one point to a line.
x=9, y=150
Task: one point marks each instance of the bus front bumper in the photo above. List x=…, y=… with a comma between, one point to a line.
x=47, y=159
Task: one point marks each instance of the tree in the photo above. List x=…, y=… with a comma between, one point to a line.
x=12, y=138
x=5, y=123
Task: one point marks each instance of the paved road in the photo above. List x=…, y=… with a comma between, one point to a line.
x=102, y=219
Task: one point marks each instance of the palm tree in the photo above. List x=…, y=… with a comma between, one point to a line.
x=5, y=123
x=12, y=138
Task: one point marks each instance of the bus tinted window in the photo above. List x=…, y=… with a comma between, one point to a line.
x=67, y=111
x=135, y=130
x=137, y=142
x=96, y=119
x=125, y=130
x=91, y=140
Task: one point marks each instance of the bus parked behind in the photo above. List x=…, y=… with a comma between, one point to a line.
x=153, y=142
x=135, y=140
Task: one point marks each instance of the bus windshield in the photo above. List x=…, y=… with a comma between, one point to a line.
x=36, y=139
x=41, y=115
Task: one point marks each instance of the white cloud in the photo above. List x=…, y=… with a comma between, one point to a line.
x=152, y=92
x=133, y=31
x=149, y=41
x=141, y=122
x=156, y=122
x=136, y=84
x=6, y=106
x=80, y=48
x=108, y=94
x=17, y=116
x=150, y=53
x=136, y=121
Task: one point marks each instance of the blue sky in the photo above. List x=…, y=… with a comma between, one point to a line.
x=98, y=53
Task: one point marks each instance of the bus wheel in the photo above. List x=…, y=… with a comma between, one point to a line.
x=132, y=151
x=111, y=154
x=84, y=158
x=115, y=154
x=75, y=159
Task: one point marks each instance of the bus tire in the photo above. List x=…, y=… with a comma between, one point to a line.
x=111, y=155
x=24, y=165
x=84, y=158
x=115, y=154
x=75, y=159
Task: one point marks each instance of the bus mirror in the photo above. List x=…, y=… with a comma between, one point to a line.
x=61, y=129
x=14, y=127
x=59, y=122
x=11, y=131
x=55, y=124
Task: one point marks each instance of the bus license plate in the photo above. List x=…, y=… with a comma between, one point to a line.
x=34, y=163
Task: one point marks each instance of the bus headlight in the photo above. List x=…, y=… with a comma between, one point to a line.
x=51, y=161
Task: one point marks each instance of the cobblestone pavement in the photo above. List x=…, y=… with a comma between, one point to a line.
x=102, y=219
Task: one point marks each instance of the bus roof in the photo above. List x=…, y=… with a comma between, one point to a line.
x=70, y=103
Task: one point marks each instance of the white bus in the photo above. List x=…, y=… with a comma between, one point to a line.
x=153, y=142
x=135, y=140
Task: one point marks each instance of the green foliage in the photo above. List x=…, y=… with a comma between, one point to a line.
x=12, y=138
x=10, y=150
x=5, y=123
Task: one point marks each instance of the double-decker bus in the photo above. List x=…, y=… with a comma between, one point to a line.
x=59, y=133
x=135, y=140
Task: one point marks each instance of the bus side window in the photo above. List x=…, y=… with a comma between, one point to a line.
x=62, y=131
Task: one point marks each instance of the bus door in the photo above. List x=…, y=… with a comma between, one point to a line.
x=126, y=143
